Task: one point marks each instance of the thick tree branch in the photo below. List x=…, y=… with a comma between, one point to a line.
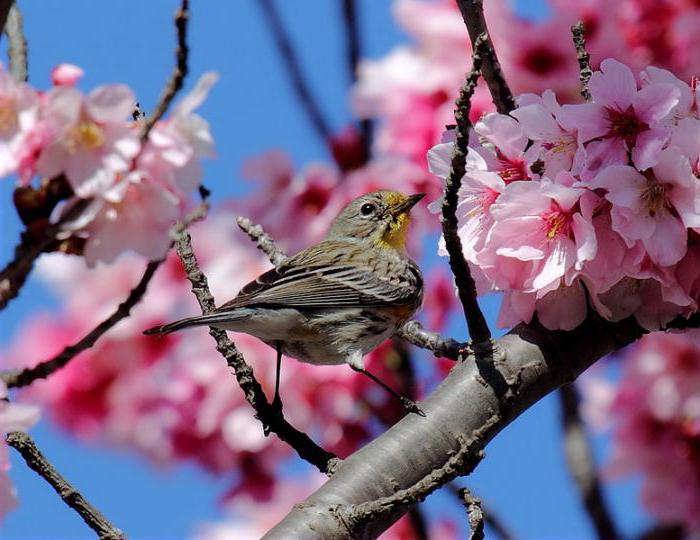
x=385, y=474
x=579, y=459
x=271, y=420
x=291, y=63
x=473, y=15
x=478, y=329
x=36, y=461
x=44, y=369
x=412, y=331
x=578, y=31
x=17, y=45
x=177, y=79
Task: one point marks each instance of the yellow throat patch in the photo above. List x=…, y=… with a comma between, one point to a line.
x=395, y=235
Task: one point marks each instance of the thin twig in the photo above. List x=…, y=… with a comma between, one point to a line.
x=491, y=518
x=36, y=461
x=352, y=33
x=177, y=78
x=440, y=346
x=475, y=514
x=417, y=519
x=42, y=370
x=31, y=245
x=579, y=459
x=473, y=15
x=263, y=240
x=17, y=45
x=578, y=31
x=271, y=420
x=478, y=329
x=291, y=63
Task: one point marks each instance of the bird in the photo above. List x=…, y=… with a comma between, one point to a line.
x=337, y=300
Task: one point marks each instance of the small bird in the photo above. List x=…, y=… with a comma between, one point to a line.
x=336, y=301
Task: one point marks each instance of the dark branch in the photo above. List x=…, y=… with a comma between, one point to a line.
x=475, y=514
x=478, y=329
x=5, y=6
x=420, y=530
x=44, y=369
x=473, y=15
x=36, y=461
x=17, y=45
x=32, y=244
x=579, y=459
x=578, y=31
x=177, y=78
x=291, y=63
x=271, y=420
x=352, y=33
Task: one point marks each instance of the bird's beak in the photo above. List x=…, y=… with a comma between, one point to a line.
x=408, y=203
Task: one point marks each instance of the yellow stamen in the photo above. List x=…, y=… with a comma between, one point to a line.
x=87, y=135
x=8, y=114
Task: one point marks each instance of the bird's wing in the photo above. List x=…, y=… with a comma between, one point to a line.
x=318, y=277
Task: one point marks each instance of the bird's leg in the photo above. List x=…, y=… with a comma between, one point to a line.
x=276, y=401
x=408, y=404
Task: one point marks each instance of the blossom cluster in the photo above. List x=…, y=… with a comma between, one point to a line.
x=655, y=413
x=136, y=190
x=562, y=206
x=412, y=89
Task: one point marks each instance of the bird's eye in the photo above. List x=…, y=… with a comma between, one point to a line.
x=367, y=209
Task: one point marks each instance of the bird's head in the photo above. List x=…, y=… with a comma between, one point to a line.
x=380, y=218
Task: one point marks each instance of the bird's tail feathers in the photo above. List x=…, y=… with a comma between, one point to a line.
x=200, y=320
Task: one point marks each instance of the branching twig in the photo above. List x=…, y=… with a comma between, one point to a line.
x=473, y=15
x=44, y=369
x=475, y=514
x=17, y=45
x=177, y=78
x=352, y=33
x=578, y=32
x=580, y=462
x=275, y=423
x=36, y=461
x=31, y=245
x=478, y=329
x=291, y=63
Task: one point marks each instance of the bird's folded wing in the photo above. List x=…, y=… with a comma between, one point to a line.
x=321, y=286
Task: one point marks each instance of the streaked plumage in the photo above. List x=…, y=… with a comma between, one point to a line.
x=335, y=301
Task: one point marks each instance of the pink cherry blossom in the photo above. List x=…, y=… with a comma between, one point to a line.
x=91, y=139
x=655, y=208
x=66, y=75
x=624, y=118
x=19, y=109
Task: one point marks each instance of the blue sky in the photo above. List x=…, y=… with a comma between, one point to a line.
x=250, y=110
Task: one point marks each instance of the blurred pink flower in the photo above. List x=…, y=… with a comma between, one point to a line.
x=66, y=75
x=655, y=415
